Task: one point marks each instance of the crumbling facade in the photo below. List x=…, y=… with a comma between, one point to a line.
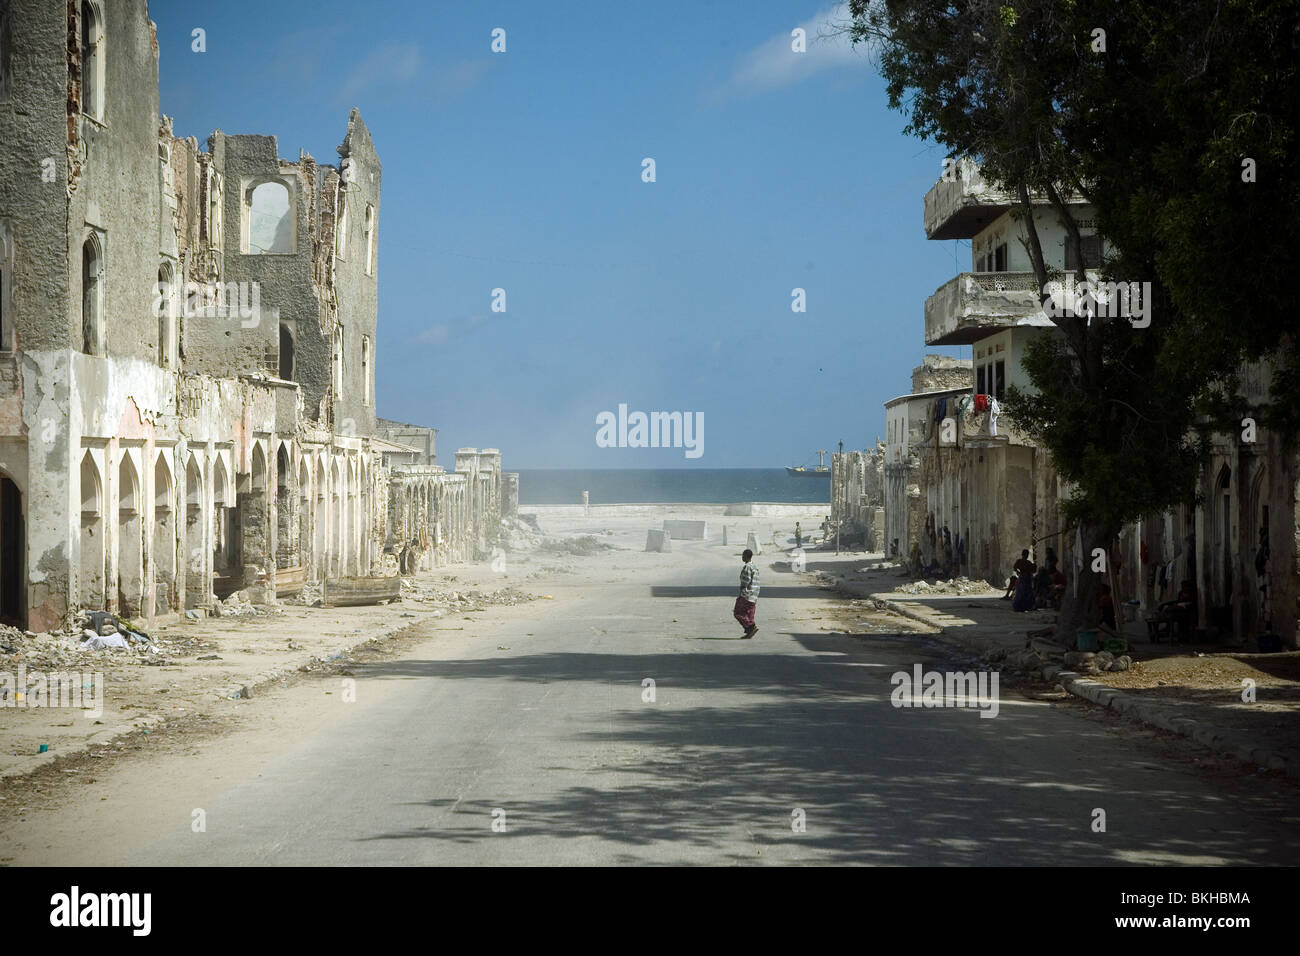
x=857, y=497
x=187, y=347
x=913, y=437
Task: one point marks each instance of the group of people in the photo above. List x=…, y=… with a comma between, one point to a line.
x=1032, y=587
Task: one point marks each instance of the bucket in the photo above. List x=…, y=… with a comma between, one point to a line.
x=1086, y=640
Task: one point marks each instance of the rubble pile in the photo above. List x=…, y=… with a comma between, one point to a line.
x=468, y=600
x=962, y=585
x=1039, y=652
x=583, y=546
x=518, y=535
x=90, y=641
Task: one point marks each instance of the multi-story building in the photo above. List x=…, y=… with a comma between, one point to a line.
x=187, y=346
x=913, y=436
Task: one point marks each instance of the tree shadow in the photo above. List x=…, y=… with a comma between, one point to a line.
x=703, y=774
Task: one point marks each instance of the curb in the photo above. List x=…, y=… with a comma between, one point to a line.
x=245, y=690
x=1149, y=712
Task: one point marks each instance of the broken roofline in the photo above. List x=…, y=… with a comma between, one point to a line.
x=356, y=125
x=392, y=423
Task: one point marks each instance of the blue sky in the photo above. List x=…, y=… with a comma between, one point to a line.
x=522, y=170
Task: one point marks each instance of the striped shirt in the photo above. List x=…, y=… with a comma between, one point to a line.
x=749, y=582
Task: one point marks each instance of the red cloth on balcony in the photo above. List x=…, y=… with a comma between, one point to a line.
x=981, y=403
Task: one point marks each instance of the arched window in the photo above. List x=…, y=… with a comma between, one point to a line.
x=215, y=189
x=370, y=239
x=338, y=362
x=92, y=296
x=365, y=370
x=269, y=219
x=6, y=52
x=6, y=287
x=166, y=305
x=92, y=61
x=341, y=231
x=286, y=352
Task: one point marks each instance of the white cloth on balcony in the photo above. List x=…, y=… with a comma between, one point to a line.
x=994, y=412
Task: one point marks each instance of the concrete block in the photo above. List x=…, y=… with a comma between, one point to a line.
x=684, y=530
x=658, y=541
x=751, y=543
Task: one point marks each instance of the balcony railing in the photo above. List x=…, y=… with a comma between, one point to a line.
x=973, y=305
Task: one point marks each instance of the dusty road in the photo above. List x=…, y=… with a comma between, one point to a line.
x=537, y=719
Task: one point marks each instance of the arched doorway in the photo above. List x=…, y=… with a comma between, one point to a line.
x=225, y=543
x=92, y=534
x=13, y=554
x=164, y=539
x=321, y=520
x=304, y=515
x=130, y=540
x=284, y=523
x=337, y=534
x=196, y=590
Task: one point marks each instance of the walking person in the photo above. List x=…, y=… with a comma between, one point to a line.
x=748, y=599
x=798, y=535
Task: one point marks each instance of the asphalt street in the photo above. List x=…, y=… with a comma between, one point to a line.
x=538, y=742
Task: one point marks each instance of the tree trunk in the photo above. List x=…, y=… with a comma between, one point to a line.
x=1082, y=610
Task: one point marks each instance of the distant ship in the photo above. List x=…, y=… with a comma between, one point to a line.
x=821, y=471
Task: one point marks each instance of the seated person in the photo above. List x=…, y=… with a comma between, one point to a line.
x=1184, y=608
x=1043, y=586
x=1107, y=607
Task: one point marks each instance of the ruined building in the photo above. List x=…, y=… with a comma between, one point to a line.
x=857, y=497
x=911, y=430
x=187, y=349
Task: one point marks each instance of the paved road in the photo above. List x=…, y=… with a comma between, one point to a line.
x=554, y=731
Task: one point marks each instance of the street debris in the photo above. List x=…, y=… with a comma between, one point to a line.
x=468, y=600
x=961, y=585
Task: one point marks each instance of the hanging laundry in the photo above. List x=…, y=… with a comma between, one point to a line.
x=994, y=411
x=981, y=403
x=940, y=407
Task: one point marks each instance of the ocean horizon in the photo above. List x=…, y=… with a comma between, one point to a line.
x=612, y=486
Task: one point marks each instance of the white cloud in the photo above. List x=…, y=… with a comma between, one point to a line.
x=399, y=64
x=774, y=65
x=443, y=332
x=401, y=68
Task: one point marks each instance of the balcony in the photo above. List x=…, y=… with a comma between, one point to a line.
x=973, y=305
x=976, y=432
x=961, y=208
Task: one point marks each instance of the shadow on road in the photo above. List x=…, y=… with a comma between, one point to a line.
x=737, y=743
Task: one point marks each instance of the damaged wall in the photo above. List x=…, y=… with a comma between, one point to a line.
x=153, y=460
